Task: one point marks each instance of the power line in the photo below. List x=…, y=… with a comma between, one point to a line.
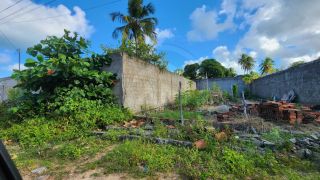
x=33, y=9
x=30, y=2
x=11, y=6
x=52, y=17
x=10, y=42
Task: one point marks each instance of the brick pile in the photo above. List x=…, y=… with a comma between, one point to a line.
x=282, y=111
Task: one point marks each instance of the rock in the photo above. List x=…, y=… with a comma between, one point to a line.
x=314, y=136
x=304, y=153
x=253, y=130
x=221, y=109
x=39, y=170
x=293, y=140
x=268, y=144
x=200, y=144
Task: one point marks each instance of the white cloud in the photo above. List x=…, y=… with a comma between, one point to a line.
x=285, y=30
x=205, y=23
x=29, y=28
x=227, y=58
x=12, y=67
x=195, y=61
x=162, y=35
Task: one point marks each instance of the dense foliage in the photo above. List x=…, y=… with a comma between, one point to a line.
x=209, y=68
x=248, y=78
x=143, y=51
x=60, y=66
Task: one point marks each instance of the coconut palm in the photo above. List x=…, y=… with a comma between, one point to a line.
x=267, y=66
x=137, y=24
x=246, y=62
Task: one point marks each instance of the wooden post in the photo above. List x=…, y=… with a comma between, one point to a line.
x=180, y=104
x=244, y=105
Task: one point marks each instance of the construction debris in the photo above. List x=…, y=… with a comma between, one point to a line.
x=276, y=111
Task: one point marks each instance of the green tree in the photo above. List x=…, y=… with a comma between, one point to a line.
x=212, y=69
x=246, y=62
x=179, y=72
x=137, y=24
x=230, y=72
x=297, y=63
x=191, y=71
x=58, y=66
x=267, y=66
x=248, y=78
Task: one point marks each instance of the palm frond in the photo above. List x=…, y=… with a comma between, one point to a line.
x=119, y=17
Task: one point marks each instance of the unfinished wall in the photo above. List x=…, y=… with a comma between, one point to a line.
x=224, y=83
x=5, y=85
x=143, y=85
x=303, y=79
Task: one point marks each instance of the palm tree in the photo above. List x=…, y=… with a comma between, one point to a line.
x=267, y=66
x=246, y=62
x=137, y=24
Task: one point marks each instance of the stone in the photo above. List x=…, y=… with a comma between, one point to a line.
x=39, y=170
x=293, y=140
x=268, y=144
x=222, y=109
x=314, y=136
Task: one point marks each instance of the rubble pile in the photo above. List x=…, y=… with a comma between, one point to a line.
x=275, y=111
x=288, y=112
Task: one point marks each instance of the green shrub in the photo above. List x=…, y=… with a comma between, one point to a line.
x=235, y=91
x=236, y=163
x=129, y=157
x=70, y=151
x=194, y=99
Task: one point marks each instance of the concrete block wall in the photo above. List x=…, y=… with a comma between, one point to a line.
x=304, y=80
x=225, y=84
x=5, y=85
x=142, y=84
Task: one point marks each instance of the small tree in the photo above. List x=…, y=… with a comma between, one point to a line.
x=59, y=66
x=191, y=71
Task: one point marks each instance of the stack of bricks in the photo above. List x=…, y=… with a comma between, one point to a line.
x=287, y=112
x=222, y=117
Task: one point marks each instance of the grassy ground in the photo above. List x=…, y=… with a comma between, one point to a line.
x=69, y=154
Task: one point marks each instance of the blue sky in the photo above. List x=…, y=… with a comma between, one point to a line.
x=188, y=31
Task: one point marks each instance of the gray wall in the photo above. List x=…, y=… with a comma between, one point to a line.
x=225, y=84
x=143, y=85
x=5, y=85
x=303, y=79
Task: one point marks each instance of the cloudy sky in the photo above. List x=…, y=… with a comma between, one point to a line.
x=188, y=31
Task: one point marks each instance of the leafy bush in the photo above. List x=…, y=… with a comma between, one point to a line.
x=235, y=91
x=143, y=51
x=193, y=99
x=57, y=68
x=236, y=163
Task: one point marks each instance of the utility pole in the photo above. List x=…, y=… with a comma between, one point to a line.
x=19, y=54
